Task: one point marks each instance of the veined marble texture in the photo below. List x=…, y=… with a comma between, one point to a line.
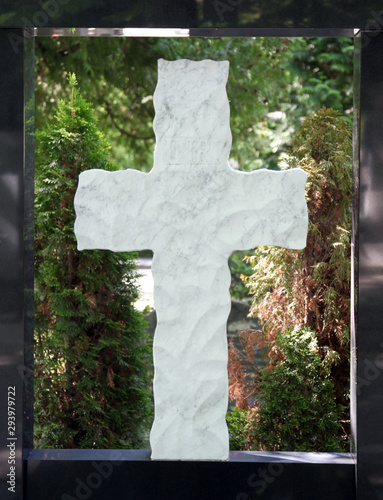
x=193, y=210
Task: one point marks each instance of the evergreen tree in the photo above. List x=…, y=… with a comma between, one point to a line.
x=324, y=70
x=295, y=408
x=91, y=355
x=310, y=288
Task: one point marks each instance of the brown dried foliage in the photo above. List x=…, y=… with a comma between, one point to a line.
x=311, y=287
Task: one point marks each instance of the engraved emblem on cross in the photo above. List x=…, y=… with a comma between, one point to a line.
x=193, y=210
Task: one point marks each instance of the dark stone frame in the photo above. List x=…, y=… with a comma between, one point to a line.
x=55, y=474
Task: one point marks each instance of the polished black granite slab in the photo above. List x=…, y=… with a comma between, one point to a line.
x=364, y=14
x=116, y=474
x=235, y=456
x=84, y=473
x=11, y=265
x=370, y=304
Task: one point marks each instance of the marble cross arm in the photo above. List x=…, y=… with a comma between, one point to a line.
x=109, y=211
x=267, y=208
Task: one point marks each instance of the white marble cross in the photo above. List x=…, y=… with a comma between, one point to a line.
x=193, y=210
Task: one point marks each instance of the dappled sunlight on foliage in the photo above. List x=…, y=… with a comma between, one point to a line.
x=91, y=354
x=272, y=83
x=295, y=408
x=310, y=288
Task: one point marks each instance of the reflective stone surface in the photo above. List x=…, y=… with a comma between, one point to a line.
x=105, y=474
x=354, y=244
x=11, y=265
x=370, y=306
x=238, y=482
x=337, y=14
x=29, y=191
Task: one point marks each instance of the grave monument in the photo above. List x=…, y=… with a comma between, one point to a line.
x=193, y=210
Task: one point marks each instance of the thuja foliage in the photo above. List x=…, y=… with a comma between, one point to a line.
x=239, y=268
x=294, y=290
x=297, y=409
x=91, y=356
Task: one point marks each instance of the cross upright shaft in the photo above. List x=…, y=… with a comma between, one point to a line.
x=193, y=211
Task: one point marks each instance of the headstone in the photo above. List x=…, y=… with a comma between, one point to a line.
x=193, y=210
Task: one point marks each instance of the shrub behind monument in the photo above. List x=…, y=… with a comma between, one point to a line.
x=305, y=289
x=91, y=356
